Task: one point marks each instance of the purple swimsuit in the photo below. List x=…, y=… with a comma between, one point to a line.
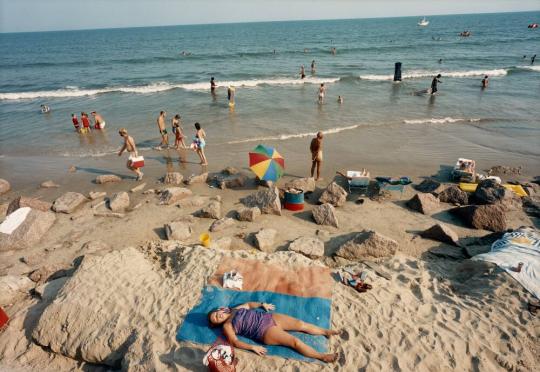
x=252, y=324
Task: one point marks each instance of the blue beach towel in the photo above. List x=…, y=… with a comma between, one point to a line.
x=313, y=310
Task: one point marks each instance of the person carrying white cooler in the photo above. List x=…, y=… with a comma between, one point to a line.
x=135, y=162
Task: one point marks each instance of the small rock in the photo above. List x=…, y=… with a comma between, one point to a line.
x=72, y=169
x=231, y=182
x=305, y=184
x=429, y=185
x=138, y=188
x=368, y=245
x=199, y=178
x=486, y=217
x=174, y=194
x=308, y=246
x=178, y=230
x=33, y=203
x=441, y=233
x=107, y=178
x=4, y=186
x=264, y=240
x=109, y=214
x=502, y=170
x=212, y=210
x=68, y=202
x=48, y=291
x=266, y=200
x=454, y=195
x=424, y=203
x=194, y=202
x=325, y=214
x=12, y=286
x=149, y=191
x=48, y=185
x=93, y=195
x=173, y=178
x=33, y=227
x=334, y=194
x=119, y=202
x=221, y=224
x=248, y=214
x=222, y=243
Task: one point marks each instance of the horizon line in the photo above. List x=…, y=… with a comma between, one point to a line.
x=270, y=21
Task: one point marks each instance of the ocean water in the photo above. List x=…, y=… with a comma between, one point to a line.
x=129, y=75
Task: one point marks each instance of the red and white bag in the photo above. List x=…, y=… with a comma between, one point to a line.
x=136, y=161
x=220, y=357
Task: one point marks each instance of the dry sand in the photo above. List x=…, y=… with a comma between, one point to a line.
x=121, y=306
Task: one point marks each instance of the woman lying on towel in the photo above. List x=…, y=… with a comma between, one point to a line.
x=267, y=328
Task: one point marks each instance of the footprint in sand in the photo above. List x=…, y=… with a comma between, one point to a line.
x=427, y=312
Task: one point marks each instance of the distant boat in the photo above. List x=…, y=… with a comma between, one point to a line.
x=423, y=23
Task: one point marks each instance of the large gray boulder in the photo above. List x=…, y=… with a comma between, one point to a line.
x=248, y=214
x=264, y=240
x=308, y=246
x=13, y=286
x=368, y=245
x=334, y=194
x=4, y=186
x=107, y=178
x=266, y=200
x=212, y=210
x=24, y=227
x=441, y=233
x=33, y=203
x=305, y=184
x=68, y=202
x=119, y=202
x=174, y=194
x=325, y=214
x=221, y=224
x=454, y=195
x=178, y=230
x=424, y=203
x=485, y=217
x=173, y=178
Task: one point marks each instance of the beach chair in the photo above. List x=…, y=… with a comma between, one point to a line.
x=358, y=180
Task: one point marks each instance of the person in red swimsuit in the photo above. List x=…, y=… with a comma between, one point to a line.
x=75, y=121
x=85, y=122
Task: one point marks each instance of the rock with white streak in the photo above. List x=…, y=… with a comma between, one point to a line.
x=24, y=227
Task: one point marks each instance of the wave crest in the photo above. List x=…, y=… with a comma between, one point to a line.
x=447, y=120
x=418, y=74
x=283, y=137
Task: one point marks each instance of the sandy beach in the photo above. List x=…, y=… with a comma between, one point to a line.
x=96, y=275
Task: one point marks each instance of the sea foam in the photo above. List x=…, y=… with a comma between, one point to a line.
x=283, y=137
x=418, y=74
x=447, y=120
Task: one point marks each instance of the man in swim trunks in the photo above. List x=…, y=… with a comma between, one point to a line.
x=85, y=123
x=434, y=84
x=129, y=145
x=162, y=129
x=302, y=72
x=267, y=328
x=99, y=123
x=230, y=95
x=212, y=85
x=322, y=90
x=316, y=155
x=312, y=67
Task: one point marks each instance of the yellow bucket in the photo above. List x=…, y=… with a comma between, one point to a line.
x=205, y=239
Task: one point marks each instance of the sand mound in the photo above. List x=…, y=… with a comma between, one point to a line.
x=123, y=309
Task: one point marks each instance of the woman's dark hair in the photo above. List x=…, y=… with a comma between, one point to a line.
x=177, y=116
x=198, y=126
x=210, y=323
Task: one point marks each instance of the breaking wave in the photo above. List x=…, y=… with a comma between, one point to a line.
x=447, y=120
x=283, y=137
x=418, y=74
x=158, y=87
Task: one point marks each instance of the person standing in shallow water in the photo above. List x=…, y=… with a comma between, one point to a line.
x=199, y=143
x=316, y=155
x=313, y=67
x=162, y=129
x=434, y=84
x=131, y=148
x=485, y=82
x=302, y=72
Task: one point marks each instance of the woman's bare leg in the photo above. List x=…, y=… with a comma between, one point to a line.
x=277, y=336
x=288, y=323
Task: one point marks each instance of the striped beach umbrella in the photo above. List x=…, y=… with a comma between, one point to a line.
x=266, y=163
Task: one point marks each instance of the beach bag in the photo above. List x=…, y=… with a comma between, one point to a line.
x=136, y=161
x=220, y=357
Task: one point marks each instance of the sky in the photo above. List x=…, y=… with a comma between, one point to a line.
x=51, y=15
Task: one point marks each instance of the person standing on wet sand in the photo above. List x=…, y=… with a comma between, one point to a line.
x=163, y=130
x=131, y=148
x=178, y=133
x=199, y=143
x=316, y=155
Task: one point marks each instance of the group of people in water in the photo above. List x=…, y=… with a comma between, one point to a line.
x=99, y=122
